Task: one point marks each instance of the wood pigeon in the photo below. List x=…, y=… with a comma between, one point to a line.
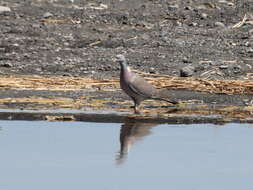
x=137, y=87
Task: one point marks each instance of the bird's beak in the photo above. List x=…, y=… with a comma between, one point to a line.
x=114, y=59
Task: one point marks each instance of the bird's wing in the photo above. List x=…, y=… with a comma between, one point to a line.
x=142, y=88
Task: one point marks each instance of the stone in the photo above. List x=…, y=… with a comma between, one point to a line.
x=152, y=70
x=193, y=24
x=223, y=66
x=7, y=65
x=186, y=60
x=247, y=44
x=4, y=9
x=249, y=50
x=204, y=15
x=237, y=69
x=219, y=24
x=172, y=7
x=188, y=8
x=47, y=15
x=187, y=71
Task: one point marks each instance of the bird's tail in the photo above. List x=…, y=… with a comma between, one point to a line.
x=166, y=100
x=164, y=96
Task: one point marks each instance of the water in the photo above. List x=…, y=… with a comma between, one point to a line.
x=76, y=155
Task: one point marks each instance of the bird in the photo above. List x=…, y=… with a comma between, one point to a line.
x=137, y=88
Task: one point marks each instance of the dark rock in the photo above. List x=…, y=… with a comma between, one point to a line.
x=7, y=65
x=188, y=8
x=237, y=69
x=108, y=68
x=123, y=18
x=187, y=71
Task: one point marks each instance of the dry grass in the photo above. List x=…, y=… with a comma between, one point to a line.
x=201, y=85
x=161, y=81
x=52, y=83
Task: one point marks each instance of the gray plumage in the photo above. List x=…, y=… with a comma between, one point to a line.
x=138, y=88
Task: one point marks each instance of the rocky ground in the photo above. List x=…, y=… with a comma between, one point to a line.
x=80, y=38
x=211, y=39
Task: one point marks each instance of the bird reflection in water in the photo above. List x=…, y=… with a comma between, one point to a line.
x=131, y=132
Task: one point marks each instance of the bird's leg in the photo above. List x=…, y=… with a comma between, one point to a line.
x=136, y=107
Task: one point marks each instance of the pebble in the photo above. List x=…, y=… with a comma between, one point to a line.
x=152, y=70
x=231, y=4
x=145, y=24
x=38, y=69
x=172, y=7
x=223, y=66
x=188, y=8
x=247, y=44
x=193, y=24
x=145, y=37
x=249, y=50
x=237, y=69
x=249, y=66
x=185, y=60
x=67, y=75
x=187, y=71
x=36, y=25
x=4, y=9
x=107, y=68
x=47, y=15
x=219, y=24
x=204, y=15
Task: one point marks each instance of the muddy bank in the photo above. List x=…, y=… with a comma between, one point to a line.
x=53, y=52
x=114, y=117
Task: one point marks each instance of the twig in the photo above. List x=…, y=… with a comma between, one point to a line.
x=239, y=24
x=95, y=43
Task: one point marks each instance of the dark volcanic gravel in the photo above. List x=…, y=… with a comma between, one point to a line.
x=80, y=38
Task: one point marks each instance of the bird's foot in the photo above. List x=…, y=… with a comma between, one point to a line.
x=136, y=110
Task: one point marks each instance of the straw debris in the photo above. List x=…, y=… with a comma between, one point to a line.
x=160, y=81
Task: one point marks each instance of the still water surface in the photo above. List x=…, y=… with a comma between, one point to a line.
x=76, y=155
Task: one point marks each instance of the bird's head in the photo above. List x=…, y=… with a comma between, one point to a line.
x=120, y=58
x=122, y=61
